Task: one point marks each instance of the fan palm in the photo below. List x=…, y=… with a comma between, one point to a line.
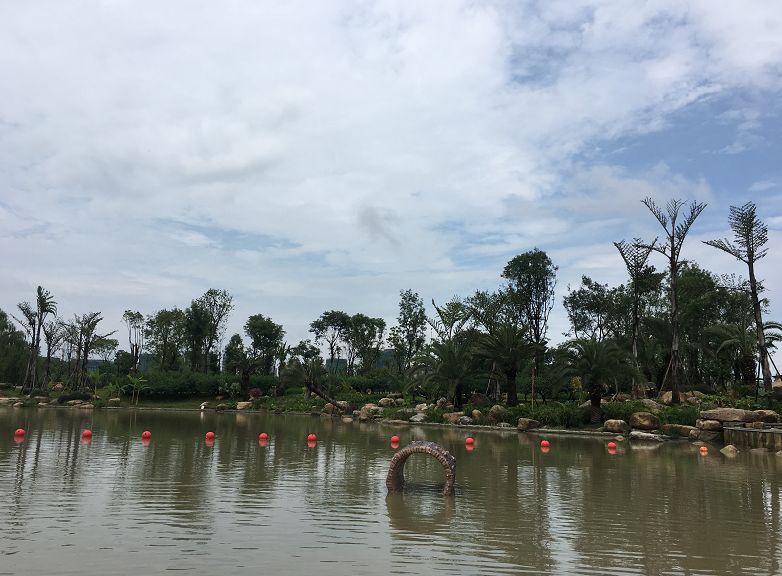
x=596, y=362
x=508, y=347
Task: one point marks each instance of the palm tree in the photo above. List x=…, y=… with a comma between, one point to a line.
x=741, y=339
x=508, y=347
x=449, y=365
x=596, y=362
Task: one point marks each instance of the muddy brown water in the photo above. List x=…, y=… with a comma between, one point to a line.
x=115, y=506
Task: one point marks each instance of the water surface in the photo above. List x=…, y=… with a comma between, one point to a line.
x=115, y=506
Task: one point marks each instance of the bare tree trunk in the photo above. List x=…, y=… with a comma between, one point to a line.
x=761, y=336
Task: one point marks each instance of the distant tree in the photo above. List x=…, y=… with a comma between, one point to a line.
x=448, y=366
x=54, y=334
x=266, y=337
x=331, y=327
x=409, y=335
x=509, y=347
x=676, y=226
x=164, y=333
x=450, y=320
x=217, y=305
x=636, y=256
x=12, y=351
x=365, y=338
x=106, y=348
x=532, y=278
x=596, y=311
x=32, y=322
x=750, y=237
x=596, y=363
x=134, y=321
x=83, y=336
x=197, y=329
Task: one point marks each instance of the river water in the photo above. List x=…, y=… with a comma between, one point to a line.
x=116, y=506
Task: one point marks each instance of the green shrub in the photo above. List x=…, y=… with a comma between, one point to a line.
x=63, y=398
x=683, y=414
x=622, y=410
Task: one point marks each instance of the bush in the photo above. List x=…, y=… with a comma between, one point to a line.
x=256, y=393
x=63, y=398
x=683, y=414
x=622, y=410
x=173, y=385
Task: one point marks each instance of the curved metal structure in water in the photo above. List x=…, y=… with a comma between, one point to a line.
x=396, y=478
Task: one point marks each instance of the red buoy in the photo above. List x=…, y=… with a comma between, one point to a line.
x=146, y=435
x=210, y=442
x=145, y=441
x=394, y=445
x=703, y=450
x=19, y=432
x=611, y=451
x=311, y=438
x=86, y=434
x=545, y=443
x=469, y=447
x=263, y=436
x=612, y=445
x=262, y=442
x=394, y=439
x=469, y=441
x=311, y=443
x=210, y=435
x=545, y=449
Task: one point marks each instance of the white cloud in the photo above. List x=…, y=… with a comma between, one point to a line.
x=356, y=148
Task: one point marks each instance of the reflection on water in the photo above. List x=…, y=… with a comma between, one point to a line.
x=116, y=506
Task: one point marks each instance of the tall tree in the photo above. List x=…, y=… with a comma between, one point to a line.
x=365, y=338
x=676, y=226
x=409, y=335
x=449, y=365
x=331, y=327
x=134, y=321
x=197, y=328
x=12, y=351
x=750, y=235
x=532, y=278
x=265, y=339
x=54, y=334
x=217, y=304
x=33, y=324
x=595, y=362
x=636, y=256
x=164, y=333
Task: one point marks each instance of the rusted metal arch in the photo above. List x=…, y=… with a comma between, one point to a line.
x=396, y=478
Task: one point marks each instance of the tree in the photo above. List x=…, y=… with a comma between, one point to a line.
x=509, y=347
x=135, y=324
x=595, y=362
x=451, y=319
x=33, y=325
x=216, y=305
x=532, y=278
x=364, y=339
x=449, y=366
x=164, y=333
x=82, y=333
x=196, y=328
x=331, y=327
x=265, y=339
x=636, y=256
x=676, y=230
x=54, y=334
x=596, y=311
x=409, y=335
x=12, y=351
x=750, y=237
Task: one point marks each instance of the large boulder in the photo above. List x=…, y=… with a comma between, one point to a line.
x=244, y=405
x=347, y=419
x=710, y=425
x=730, y=415
x=8, y=401
x=421, y=407
x=86, y=406
x=527, y=424
x=588, y=403
x=399, y=401
x=651, y=405
x=730, y=451
x=452, y=417
x=667, y=397
x=327, y=409
x=645, y=436
x=59, y=387
x=114, y=401
x=644, y=421
x=677, y=430
x=74, y=402
x=441, y=404
x=768, y=416
x=385, y=402
x=41, y=399
x=418, y=418
x=497, y=413
x=618, y=426
x=464, y=421
x=476, y=415
x=369, y=411
x=478, y=399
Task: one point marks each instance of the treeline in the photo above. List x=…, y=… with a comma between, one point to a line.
x=679, y=326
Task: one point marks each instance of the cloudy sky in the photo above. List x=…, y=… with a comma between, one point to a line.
x=315, y=155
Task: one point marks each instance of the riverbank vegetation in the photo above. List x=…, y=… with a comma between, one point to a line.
x=678, y=328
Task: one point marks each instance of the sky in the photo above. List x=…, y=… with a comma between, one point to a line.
x=308, y=156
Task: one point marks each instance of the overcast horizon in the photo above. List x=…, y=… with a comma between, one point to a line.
x=309, y=156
